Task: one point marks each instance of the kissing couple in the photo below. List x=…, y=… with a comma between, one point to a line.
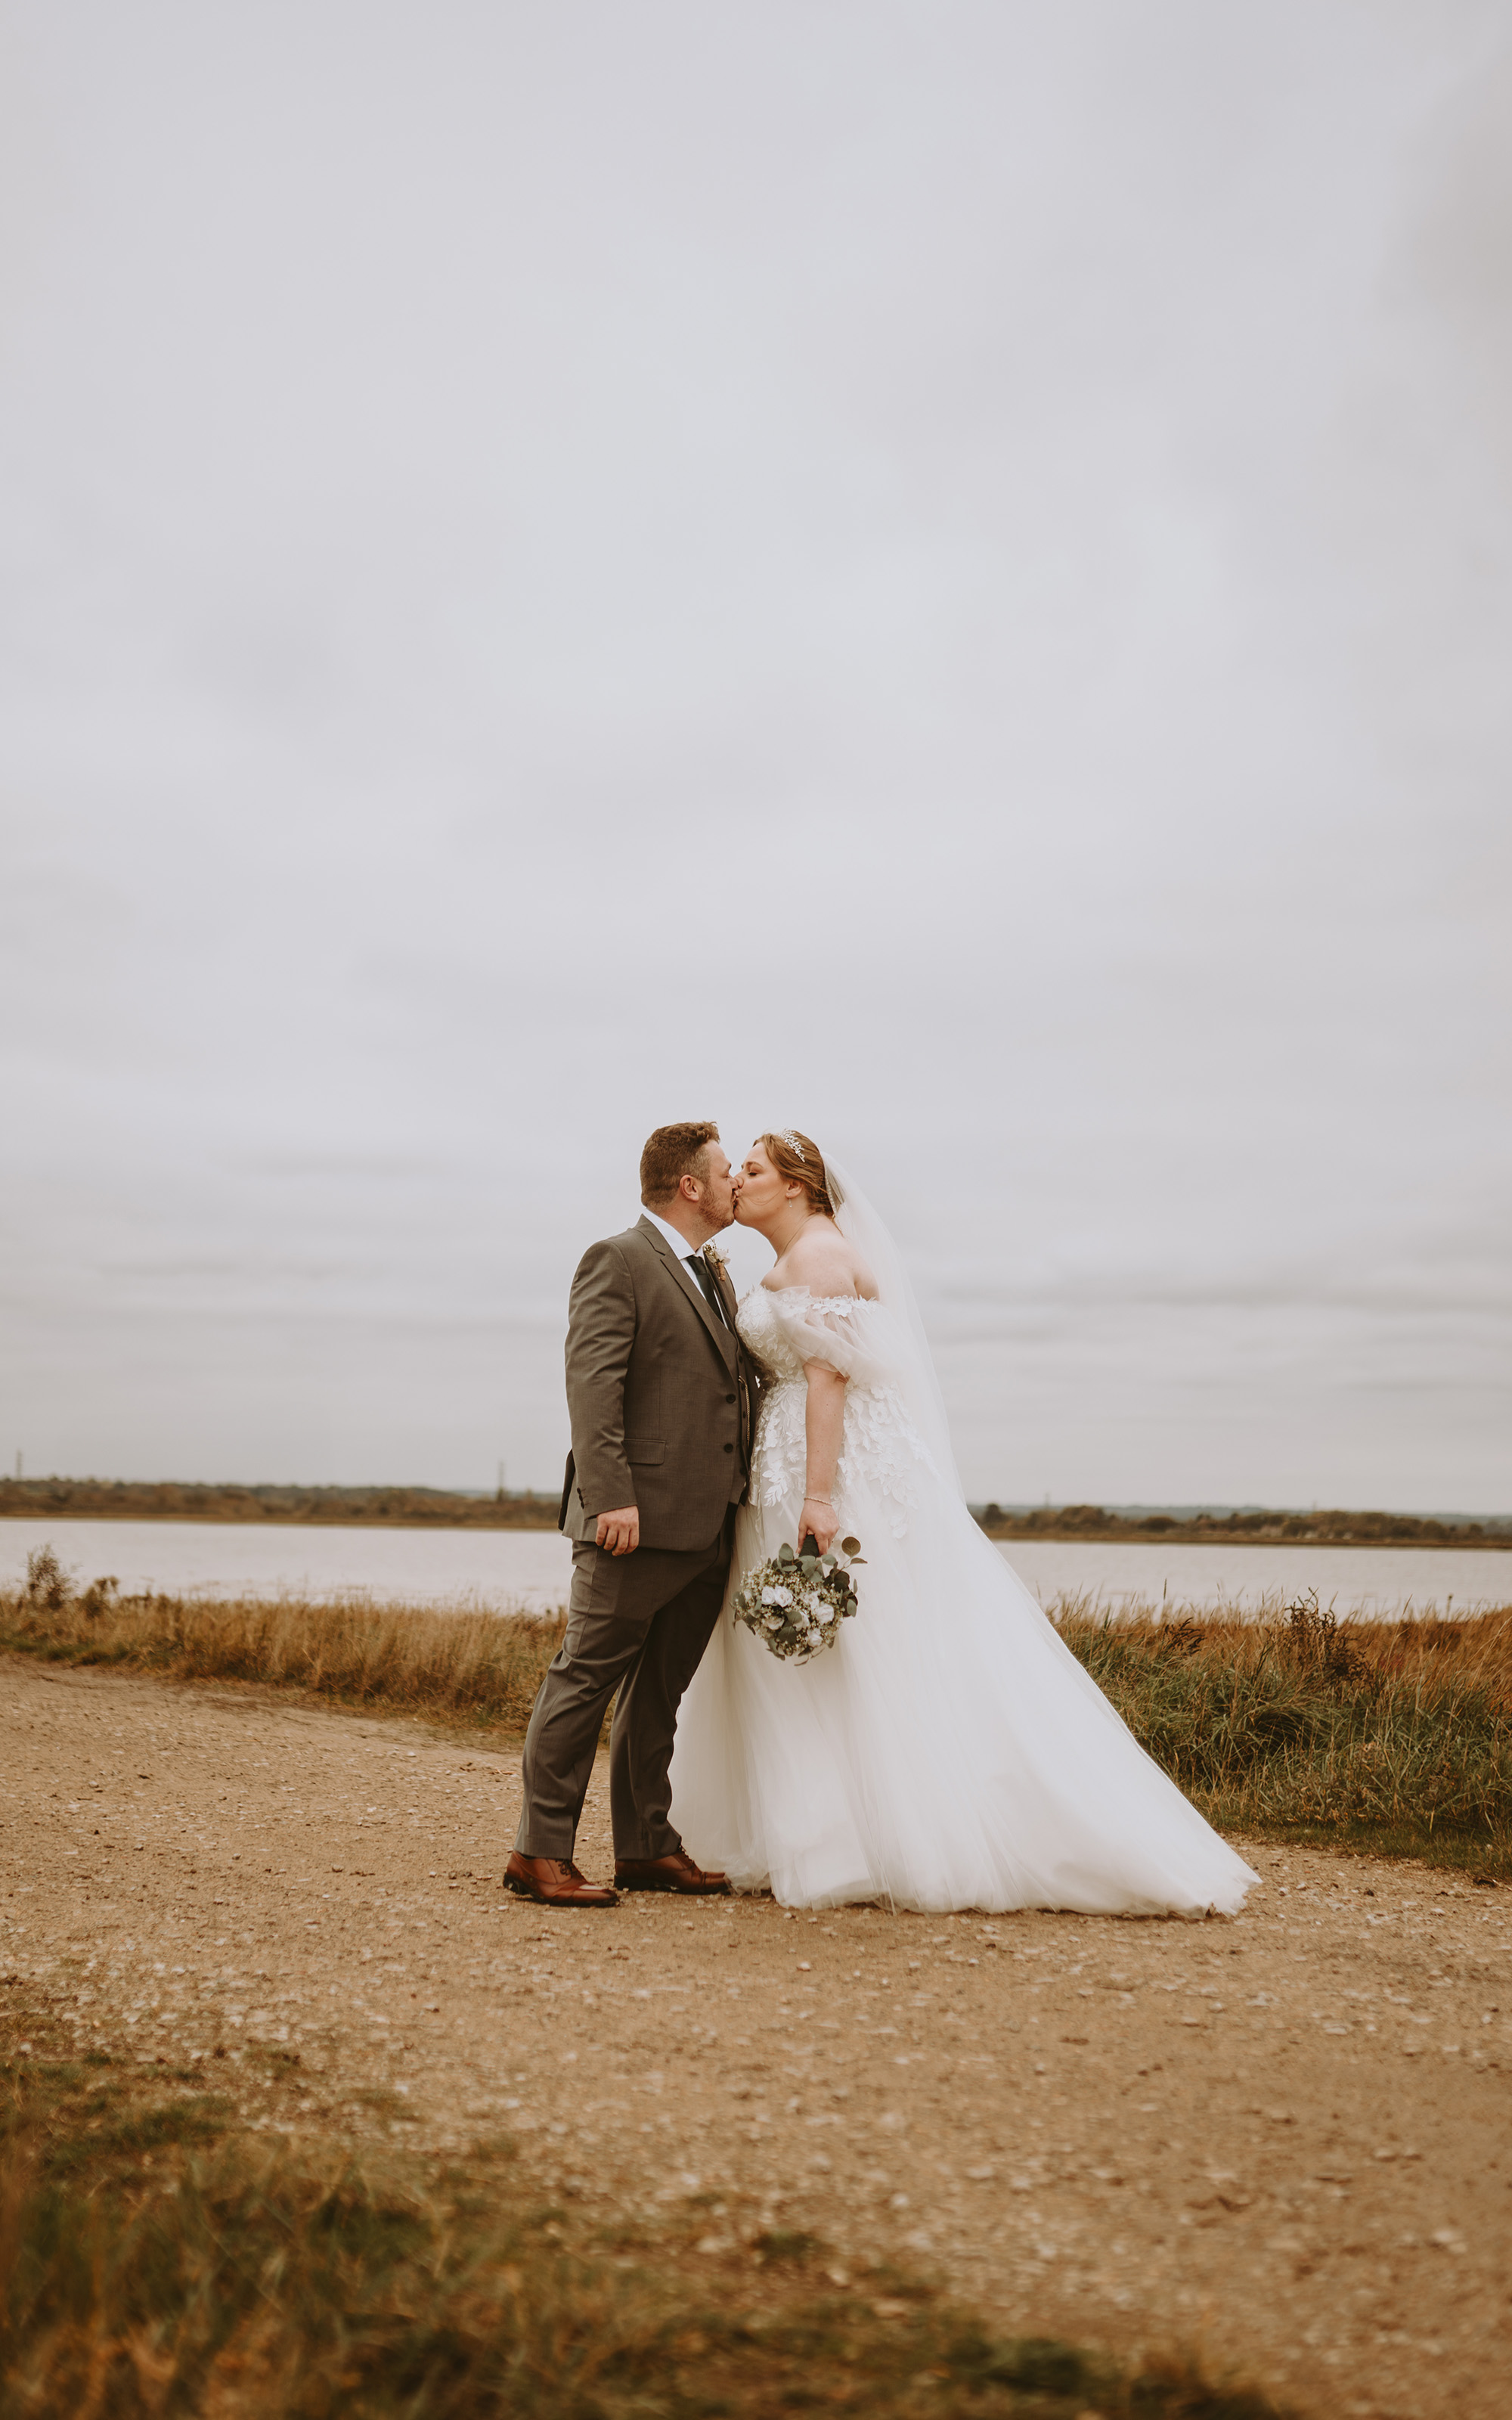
x=948, y=1751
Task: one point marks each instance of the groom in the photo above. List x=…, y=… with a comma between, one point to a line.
x=661, y=1396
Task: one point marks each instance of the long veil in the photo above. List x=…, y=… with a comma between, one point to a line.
x=861, y=1224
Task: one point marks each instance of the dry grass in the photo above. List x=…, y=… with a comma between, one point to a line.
x=159, y=2256
x=476, y=1667
x=1475, y=1649
x=1393, y=1736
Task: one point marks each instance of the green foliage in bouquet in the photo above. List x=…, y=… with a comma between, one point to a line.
x=795, y=1602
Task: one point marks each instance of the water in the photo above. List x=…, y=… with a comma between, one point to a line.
x=1353, y=1579
x=528, y=1570
x=506, y=1570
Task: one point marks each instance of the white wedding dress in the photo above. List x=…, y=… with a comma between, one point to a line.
x=949, y=1751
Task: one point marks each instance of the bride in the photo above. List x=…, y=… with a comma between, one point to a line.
x=949, y=1751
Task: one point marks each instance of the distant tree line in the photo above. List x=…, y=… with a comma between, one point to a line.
x=1333, y=1528
x=439, y=1508
x=407, y=1508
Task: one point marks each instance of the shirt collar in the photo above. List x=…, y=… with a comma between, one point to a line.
x=684, y=1249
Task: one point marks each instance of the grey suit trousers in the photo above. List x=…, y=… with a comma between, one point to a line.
x=638, y=1623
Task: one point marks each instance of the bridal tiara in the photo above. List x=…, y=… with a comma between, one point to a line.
x=785, y=1135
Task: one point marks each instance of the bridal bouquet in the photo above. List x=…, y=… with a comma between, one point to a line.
x=795, y=1602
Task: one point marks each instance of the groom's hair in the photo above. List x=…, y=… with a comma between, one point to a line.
x=672, y=1154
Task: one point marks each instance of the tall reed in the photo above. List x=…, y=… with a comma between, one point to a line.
x=1296, y=1719
x=404, y=1659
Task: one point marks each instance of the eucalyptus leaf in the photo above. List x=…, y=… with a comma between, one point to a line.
x=849, y=1545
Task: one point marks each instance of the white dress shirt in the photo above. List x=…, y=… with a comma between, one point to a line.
x=684, y=1249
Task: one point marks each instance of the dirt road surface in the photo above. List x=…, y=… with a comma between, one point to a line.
x=1282, y=2141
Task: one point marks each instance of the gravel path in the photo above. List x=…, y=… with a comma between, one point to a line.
x=1282, y=2140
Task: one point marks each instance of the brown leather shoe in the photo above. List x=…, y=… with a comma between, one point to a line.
x=555, y=1882
x=674, y=1873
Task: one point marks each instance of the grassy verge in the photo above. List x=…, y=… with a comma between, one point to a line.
x=1391, y=1737
x=391, y=1659
x=1394, y=1738
x=158, y=2256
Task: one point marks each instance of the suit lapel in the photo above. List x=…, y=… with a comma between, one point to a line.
x=722, y=1337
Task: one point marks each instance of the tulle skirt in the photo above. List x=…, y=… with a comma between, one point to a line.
x=948, y=1752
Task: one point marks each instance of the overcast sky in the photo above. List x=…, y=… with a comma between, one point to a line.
x=939, y=573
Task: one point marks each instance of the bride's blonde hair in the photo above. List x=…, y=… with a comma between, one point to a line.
x=799, y=1160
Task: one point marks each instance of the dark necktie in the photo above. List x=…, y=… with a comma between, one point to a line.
x=704, y=1275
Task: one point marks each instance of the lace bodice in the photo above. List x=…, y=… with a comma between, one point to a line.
x=881, y=1452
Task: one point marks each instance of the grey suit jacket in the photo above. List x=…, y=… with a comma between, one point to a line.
x=661, y=1393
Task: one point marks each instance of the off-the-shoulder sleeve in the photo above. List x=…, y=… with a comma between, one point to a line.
x=846, y=1333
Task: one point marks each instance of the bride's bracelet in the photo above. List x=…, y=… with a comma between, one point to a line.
x=821, y=1499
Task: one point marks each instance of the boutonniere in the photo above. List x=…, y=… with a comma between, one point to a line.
x=716, y=1259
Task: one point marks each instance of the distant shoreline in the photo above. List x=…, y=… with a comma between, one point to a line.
x=428, y=1508
x=314, y=1507
x=1088, y=1524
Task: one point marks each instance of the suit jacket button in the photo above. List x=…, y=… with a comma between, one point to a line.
x=730, y=1448
x=730, y=1398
